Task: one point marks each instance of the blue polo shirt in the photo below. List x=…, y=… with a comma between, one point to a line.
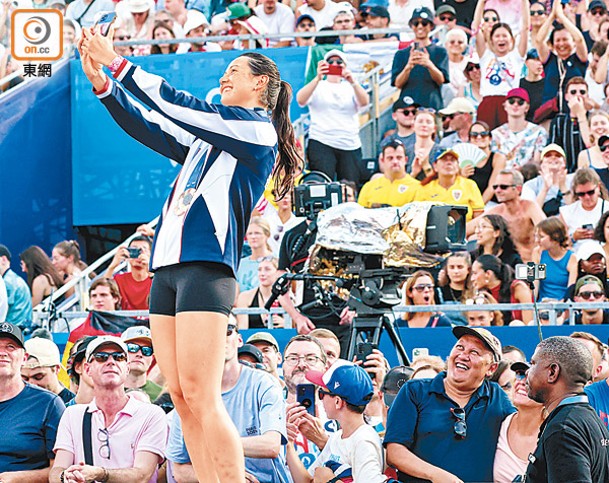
x=421, y=419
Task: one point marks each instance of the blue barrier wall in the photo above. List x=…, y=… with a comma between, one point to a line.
x=117, y=180
x=35, y=164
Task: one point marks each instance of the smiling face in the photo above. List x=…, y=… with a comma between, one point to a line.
x=12, y=358
x=455, y=45
x=563, y=43
x=510, y=192
x=421, y=29
x=295, y=374
x=480, y=136
x=599, y=125
x=469, y=362
x=587, y=194
x=479, y=278
x=486, y=234
x=502, y=41
x=239, y=86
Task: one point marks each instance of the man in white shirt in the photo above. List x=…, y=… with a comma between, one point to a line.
x=322, y=11
x=278, y=18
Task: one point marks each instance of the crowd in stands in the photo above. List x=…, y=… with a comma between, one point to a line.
x=501, y=108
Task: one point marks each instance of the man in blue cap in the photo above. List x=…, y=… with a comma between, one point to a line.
x=355, y=450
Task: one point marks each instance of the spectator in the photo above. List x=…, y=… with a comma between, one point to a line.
x=494, y=238
x=424, y=426
x=177, y=9
x=593, y=156
x=80, y=382
x=560, y=262
x=471, y=89
x=420, y=290
x=598, y=395
x=305, y=23
x=420, y=71
x=71, y=33
x=445, y=20
x=137, y=17
x=564, y=56
x=489, y=274
x=18, y=293
x=569, y=128
x=447, y=186
x=501, y=62
x=250, y=356
x=461, y=112
x=552, y=188
x=480, y=317
x=42, y=278
x=597, y=348
x=85, y=11
x=257, y=236
x=456, y=46
x=404, y=111
x=121, y=35
x=603, y=173
x=196, y=26
x=344, y=20
x=582, y=216
x=330, y=343
x=513, y=353
x=139, y=361
x=392, y=188
x=355, y=450
x=163, y=31
x=591, y=261
x=135, y=284
x=590, y=289
x=518, y=140
x=519, y=431
x=322, y=11
x=271, y=355
x=601, y=232
x=595, y=88
x=376, y=17
x=334, y=146
x=520, y=215
x=104, y=295
x=570, y=448
x=254, y=403
x=30, y=416
x=127, y=436
x=457, y=269
x=258, y=296
x=278, y=18
x=401, y=11
x=533, y=81
x=505, y=377
x=485, y=173
x=251, y=26
x=66, y=258
x=422, y=149
x=280, y=219
x=42, y=367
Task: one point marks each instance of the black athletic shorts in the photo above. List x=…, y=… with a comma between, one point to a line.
x=193, y=287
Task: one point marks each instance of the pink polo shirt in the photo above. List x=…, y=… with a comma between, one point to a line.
x=137, y=427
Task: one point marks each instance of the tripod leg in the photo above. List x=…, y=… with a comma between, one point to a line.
x=396, y=340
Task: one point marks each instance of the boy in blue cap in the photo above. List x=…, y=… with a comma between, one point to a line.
x=354, y=452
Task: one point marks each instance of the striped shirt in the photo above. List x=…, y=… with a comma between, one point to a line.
x=228, y=151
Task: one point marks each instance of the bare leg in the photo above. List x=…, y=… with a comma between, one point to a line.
x=163, y=329
x=201, y=338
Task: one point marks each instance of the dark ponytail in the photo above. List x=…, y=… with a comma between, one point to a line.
x=288, y=159
x=503, y=273
x=277, y=99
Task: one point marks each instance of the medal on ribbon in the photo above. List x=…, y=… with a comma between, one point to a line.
x=184, y=201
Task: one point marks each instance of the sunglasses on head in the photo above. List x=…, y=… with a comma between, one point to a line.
x=426, y=109
x=460, y=427
x=590, y=294
x=335, y=62
x=418, y=23
x=514, y=100
x=471, y=67
x=581, y=194
x=422, y=287
x=104, y=356
x=503, y=186
x=573, y=92
x=491, y=19
x=135, y=348
x=480, y=134
x=446, y=18
x=537, y=12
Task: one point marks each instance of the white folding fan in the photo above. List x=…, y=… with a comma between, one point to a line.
x=468, y=154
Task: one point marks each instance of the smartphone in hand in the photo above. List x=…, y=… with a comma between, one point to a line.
x=305, y=396
x=334, y=69
x=104, y=20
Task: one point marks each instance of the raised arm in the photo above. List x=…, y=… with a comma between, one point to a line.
x=541, y=41
x=581, y=49
x=523, y=43
x=477, y=28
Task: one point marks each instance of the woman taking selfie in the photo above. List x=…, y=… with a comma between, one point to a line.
x=198, y=240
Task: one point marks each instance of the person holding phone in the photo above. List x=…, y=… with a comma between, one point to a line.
x=228, y=151
x=334, y=97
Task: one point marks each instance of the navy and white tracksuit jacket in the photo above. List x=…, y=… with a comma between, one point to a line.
x=233, y=147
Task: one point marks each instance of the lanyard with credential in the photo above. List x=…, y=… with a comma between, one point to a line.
x=188, y=195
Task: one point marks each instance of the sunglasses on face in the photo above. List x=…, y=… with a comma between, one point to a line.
x=581, y=194
x=515, y=100
x=573, y=92
x=135, y=348
x=521, y=375
x=335, y=62
x=480, y=134
x=502, y=186
x=448, y=116
x=604, y=148
x=230, y=329
x=409, y=112
x=594, y=294
x=323, y=394
x=122, y=37
x=491, y=19
x=460, y=427
x=104, y=356
x=471, y=67
x=598, y=11
x=446, y=18
x=418, y=23
x=537, y=12
x=422, y=287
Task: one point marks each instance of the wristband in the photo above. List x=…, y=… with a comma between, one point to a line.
x=106, y=476
x=115, y=64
